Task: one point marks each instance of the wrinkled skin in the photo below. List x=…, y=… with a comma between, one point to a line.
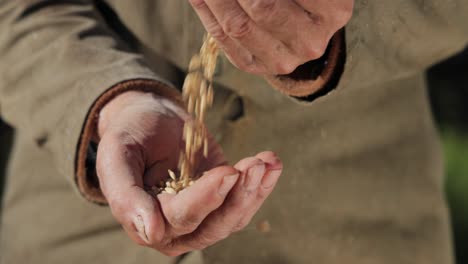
x=270, y=37
x=140, y=139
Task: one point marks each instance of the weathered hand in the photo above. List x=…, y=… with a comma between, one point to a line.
x=140, y=139
x=273, y=36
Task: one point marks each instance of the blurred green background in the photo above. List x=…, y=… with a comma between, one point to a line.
x=448, y=90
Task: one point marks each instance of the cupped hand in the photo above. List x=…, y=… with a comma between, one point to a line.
x=140, y=139
x=272, y=36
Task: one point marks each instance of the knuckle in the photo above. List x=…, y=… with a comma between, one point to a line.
x=241, y=225
x=263, y=193
x=197, y=4
x=237, y=25
x=248, y=195
x=262, y=6
x=265, y=11
x=285, y=67
x=216, y=32
x=313, y=52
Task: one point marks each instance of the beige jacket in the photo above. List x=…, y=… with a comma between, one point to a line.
x=363, y=172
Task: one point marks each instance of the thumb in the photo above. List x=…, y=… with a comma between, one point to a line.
x=120, y=168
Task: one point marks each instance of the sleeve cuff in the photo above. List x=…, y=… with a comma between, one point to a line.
x=315, y=78
x=85, y=175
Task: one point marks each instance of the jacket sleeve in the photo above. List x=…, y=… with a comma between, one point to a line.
x=384, y=41
x=315, y=78
x=59, y=64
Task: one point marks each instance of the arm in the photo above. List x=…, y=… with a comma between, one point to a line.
x=67, y=80
x=57, y=58
x=296, y=45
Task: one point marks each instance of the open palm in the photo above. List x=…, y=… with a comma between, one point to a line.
x=141, y=138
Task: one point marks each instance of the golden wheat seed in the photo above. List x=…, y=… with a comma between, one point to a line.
x=195, y=63
x=263, y=226
x=205, y=147
x=198, y=96
x=170, y=190
x=171, y=174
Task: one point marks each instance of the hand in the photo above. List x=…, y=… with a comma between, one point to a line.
x=272, y=36
x=140, y=139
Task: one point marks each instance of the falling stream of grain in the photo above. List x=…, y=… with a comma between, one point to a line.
x=198, y=97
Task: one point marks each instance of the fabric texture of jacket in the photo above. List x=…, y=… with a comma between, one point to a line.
x=363, y=172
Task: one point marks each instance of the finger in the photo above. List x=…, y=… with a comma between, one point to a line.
x=269, y=180
x=140, y=240
x=274, y=168
x=243, y=59
x=301, y=31
x=186, y=210
x=120, y=167
x=273, y=171
x=238, y=26
x=226, y=219
x=253, y=169
x=266, y=55
x=336, y=13
x=271, y=159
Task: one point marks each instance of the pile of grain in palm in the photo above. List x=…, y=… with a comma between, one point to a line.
x=197, y=94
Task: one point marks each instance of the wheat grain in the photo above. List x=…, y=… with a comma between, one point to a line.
x=171, y=174
x=198, y=97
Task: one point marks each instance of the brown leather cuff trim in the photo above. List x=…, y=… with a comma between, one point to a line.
x=85, y=177
x=304, y=87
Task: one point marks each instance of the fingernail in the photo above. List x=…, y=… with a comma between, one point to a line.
x=140, y=227
x=254, y=176
x=228, y=182
x=270, y=179
x=274, y=165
